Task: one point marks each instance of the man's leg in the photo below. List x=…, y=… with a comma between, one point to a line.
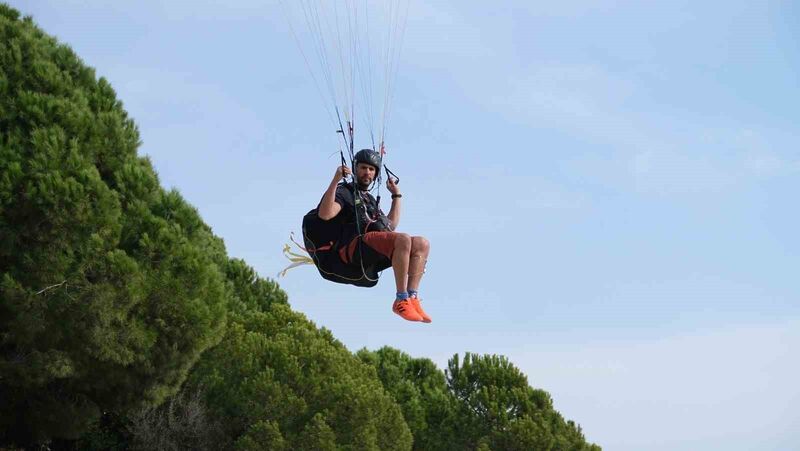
x=399, y=246
x=416, y=267
x=420, y=247
x=400, y=261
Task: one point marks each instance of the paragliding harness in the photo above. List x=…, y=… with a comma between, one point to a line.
x=324, y=239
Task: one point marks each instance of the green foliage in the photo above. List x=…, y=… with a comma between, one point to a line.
x=275, y=375
x=252, y=292
x=317, y=436
x=261, y=435
x=420, y=389
x=499, y=410
x=111, y=288
x=482, y=403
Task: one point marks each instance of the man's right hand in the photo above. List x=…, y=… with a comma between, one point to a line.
x=328, y=207
x=342, y=172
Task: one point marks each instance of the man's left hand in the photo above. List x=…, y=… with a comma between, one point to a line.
x=391, y=186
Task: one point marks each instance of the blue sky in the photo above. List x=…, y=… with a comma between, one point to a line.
x=609, y=189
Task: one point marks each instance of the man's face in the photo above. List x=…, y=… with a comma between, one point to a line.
x=365, y=174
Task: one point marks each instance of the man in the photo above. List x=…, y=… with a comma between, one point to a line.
x=372, y=228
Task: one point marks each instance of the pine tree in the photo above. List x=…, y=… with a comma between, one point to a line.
x=317, y=436
x=274, y=366
x=110, y=287
x=498, y=409
x=419, y=387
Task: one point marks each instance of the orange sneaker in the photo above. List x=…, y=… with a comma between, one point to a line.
x=418, y=307
x=406, y=310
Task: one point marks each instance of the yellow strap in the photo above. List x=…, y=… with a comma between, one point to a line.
x=295, y=258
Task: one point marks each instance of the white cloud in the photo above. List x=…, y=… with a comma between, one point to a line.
x=761, y=161
x=654, y=154
x=675, y=172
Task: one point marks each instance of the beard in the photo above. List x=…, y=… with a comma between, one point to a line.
x=364, y=183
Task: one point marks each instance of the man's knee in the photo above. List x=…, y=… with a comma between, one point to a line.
x=402, y=241
x=420, y=244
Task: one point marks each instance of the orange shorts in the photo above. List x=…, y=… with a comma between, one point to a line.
x=381, y=242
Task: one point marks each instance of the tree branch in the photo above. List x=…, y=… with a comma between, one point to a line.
x=51, y=286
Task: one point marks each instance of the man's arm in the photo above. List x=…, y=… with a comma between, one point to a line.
x=394, y=211
x=328, y=207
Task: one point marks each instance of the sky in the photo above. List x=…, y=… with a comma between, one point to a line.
x=609, y=189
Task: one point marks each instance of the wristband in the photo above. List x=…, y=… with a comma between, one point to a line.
x=396, y=196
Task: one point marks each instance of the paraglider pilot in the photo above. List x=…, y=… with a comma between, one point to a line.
x=406, y=254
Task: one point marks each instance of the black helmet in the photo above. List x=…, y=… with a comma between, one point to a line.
x=370, y=157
